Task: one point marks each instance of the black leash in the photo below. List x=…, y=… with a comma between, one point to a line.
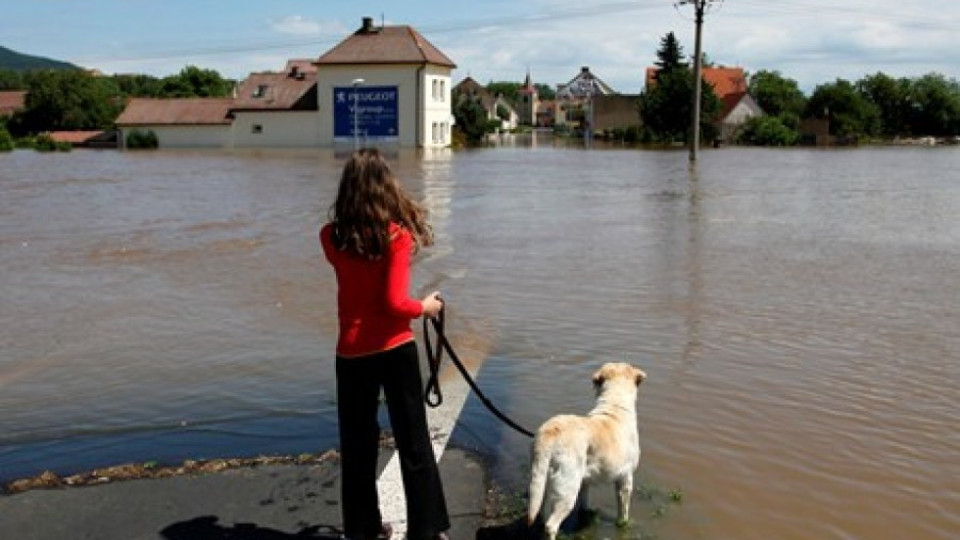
x=433, y=396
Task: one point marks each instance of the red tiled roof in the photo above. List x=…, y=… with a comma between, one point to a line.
x=186, y=111
x=725, y=80
x=274, y=90
x=730, y=101
x=12, y=101
x=385, y=45
x=74, y=137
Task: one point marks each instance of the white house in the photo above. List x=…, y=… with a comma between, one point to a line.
x=382, y=85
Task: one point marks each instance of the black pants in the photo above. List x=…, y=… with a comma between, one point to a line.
x=359, y=381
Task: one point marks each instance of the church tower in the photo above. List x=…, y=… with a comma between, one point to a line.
x=529, y=102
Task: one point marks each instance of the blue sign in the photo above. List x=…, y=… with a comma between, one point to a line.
x=368, y=112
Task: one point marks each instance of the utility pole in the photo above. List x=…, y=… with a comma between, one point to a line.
x=699, y=7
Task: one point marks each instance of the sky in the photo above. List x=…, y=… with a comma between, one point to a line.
x=810, y=41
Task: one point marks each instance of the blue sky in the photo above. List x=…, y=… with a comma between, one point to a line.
x=810, y=41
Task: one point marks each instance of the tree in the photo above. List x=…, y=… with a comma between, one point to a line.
x=891, y=97
x=67, y=100
x=934, y=106
x=471, y=119
x=11, y=80
x=667, y=106
x=851, y=115
x=669, y=55
x=544, y=91
x=138, y=85
x=195, y=82
x=776, y=94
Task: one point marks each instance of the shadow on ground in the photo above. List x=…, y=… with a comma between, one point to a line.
x=209, y=528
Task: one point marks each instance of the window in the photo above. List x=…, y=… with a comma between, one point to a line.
x=436, y=94
x=435, y=132
x=443, y=132
x=443, y=90
x=261, y=90
x=256, y=129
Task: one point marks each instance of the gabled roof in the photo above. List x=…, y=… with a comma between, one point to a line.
x=730, y=102
x=384, y=45
x=724, y=80
x=276, y=91
x=185, y=111
x=585, y=82
x=12, y=101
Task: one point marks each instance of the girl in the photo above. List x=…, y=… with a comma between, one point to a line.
x=374, y=229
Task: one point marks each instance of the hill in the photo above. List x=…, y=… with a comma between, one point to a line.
x=21, y=62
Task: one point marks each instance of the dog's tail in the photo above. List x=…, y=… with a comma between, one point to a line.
x=540, y=458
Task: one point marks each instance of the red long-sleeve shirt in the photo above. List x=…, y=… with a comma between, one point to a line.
x=373, y=300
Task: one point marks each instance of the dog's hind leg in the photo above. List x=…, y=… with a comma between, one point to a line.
x=624, y=485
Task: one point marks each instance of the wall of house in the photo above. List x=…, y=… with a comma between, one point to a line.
x=276, y=129
x=417, y=118
x=205, y=136
x=617, y=111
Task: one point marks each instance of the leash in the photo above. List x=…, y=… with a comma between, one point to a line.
x=433, y=395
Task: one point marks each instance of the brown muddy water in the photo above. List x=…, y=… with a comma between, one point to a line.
x=796, y=311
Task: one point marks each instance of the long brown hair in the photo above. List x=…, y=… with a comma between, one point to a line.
x=368, y=200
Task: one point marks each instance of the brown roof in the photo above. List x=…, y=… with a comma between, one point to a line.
x=301, y=65
x=186, y=111
x=275, y=90
x=385, y=45
x=12, y=101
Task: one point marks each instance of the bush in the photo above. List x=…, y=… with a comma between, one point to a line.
x=6, y=141
x=768, y=131
x=137, y=140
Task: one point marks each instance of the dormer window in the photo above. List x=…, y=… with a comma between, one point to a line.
x=260, y=91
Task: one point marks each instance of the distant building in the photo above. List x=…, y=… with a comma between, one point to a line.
x=382, y=85
x=528, y=102
x=587, y=102
x=494, y=105
x=12, y=101
x=730, y=86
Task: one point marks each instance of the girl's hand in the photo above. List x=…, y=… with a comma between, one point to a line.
x=432, y=304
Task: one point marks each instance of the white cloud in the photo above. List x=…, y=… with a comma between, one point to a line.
x=302, y=26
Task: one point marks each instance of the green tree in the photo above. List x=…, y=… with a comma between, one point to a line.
x=6, y=141
x=544, y=91
x=11, y=80
x=471, y=119
x=138, y=85
x=776, y=94
x=669, y=55
x=667, y=106
x=851, y=114
x=195, y=82
x=892, y=100
x=67, y=100
x=934, y=106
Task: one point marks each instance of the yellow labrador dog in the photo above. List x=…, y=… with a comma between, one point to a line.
x=570, y=452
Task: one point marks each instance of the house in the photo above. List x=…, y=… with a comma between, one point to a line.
x=382, y=85
x=738, y=107
x=730, y=86
x=575, y=102
x=86, y=138
x=12, y=101
x=495, y=105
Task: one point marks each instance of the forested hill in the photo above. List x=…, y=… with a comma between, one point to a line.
x=21, y=62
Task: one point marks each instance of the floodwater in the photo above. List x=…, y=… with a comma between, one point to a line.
x=796, y=312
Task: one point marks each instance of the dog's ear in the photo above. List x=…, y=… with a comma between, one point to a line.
x=640, y=375
x=598, y=378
